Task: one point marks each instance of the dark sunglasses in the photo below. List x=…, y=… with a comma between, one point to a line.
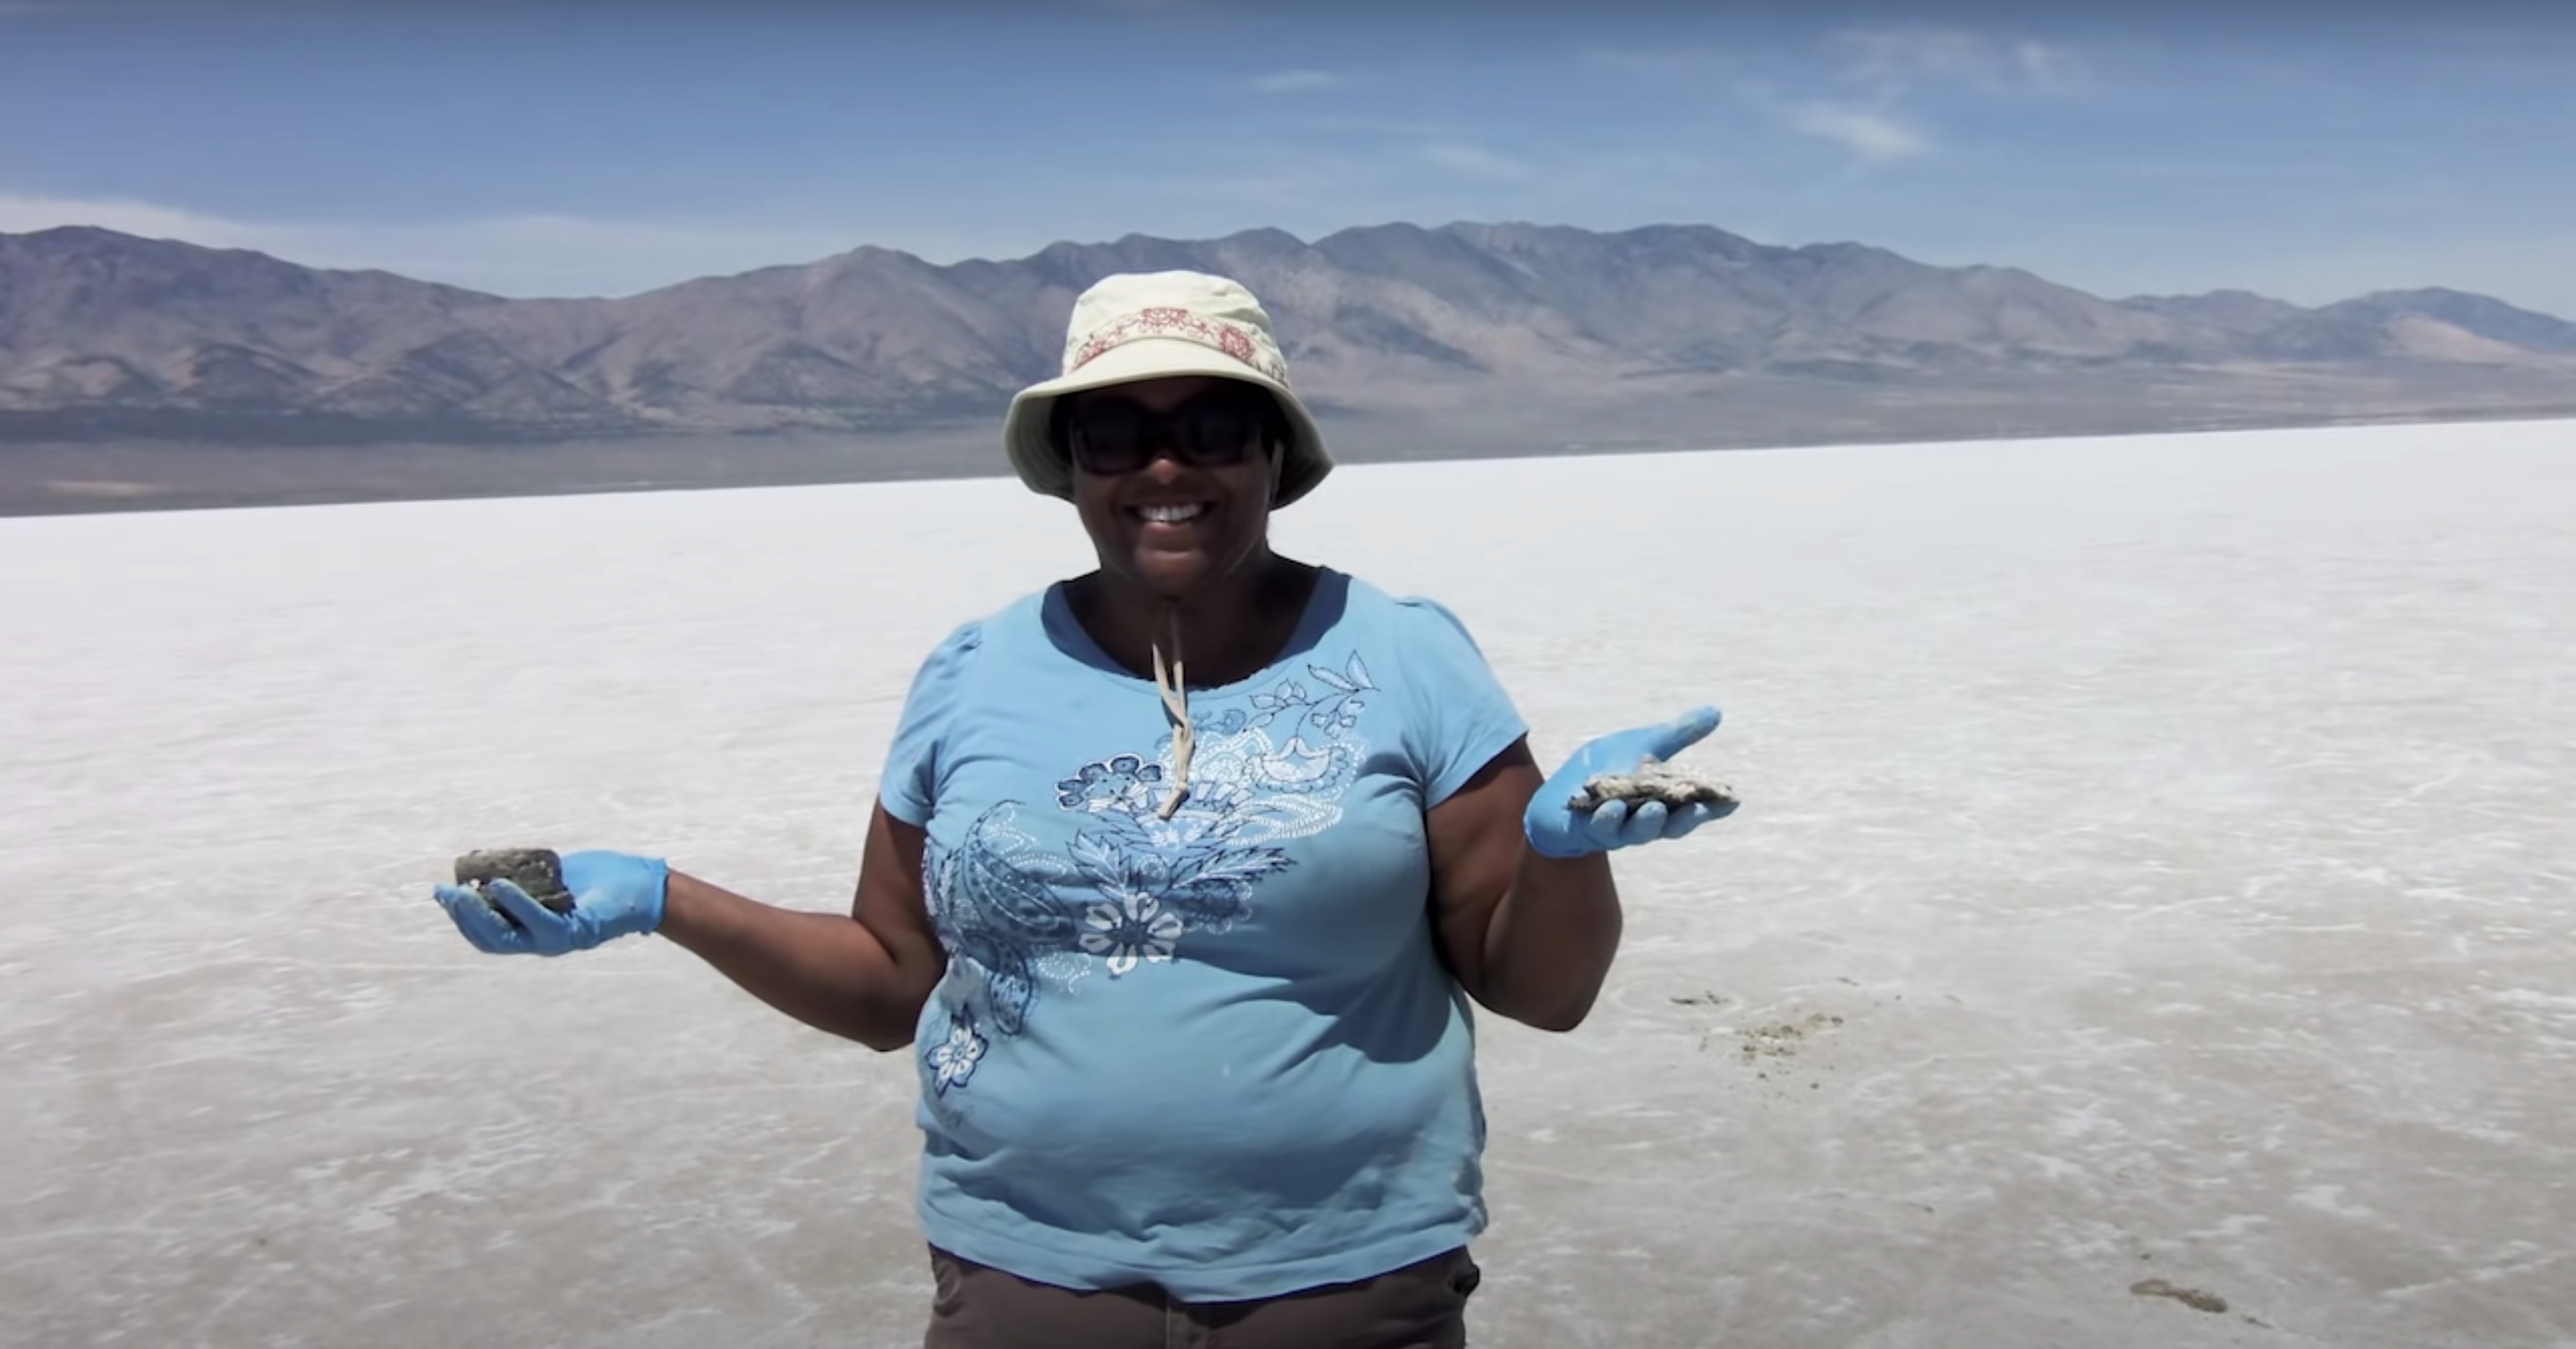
x=1215, y=429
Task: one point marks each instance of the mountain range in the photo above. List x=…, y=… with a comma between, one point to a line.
x=105, y=335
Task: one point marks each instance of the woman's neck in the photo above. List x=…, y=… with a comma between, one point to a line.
x=1226, y=634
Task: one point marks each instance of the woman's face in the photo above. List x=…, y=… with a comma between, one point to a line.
x=1173, y=523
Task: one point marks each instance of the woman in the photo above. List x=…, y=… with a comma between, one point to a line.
x=1181, y=880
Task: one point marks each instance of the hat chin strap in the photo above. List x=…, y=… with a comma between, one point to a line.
x=1169, y=681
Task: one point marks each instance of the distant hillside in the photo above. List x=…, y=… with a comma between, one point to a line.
x=107, y=335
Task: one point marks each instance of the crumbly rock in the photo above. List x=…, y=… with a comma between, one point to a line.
x=1654, y=780
x=539, y=871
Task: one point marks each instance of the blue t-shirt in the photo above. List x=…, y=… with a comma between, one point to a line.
x=1217, y=1052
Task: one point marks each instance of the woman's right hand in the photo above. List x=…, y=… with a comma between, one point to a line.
x=613, y=894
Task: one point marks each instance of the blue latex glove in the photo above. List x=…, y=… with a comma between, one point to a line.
x=613, y=894
x=1555, y=830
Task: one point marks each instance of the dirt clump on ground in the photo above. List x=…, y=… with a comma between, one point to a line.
x=2189, y=1297
x=1782, y=1039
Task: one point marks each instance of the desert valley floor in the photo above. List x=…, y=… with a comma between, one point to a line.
x=2152, y=922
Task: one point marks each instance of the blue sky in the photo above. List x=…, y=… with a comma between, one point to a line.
x=591, y=147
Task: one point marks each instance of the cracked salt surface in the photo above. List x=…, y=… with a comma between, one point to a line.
x=2176, y=825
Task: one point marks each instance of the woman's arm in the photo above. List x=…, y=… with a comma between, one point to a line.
x=863, y=976
x=1530, y=937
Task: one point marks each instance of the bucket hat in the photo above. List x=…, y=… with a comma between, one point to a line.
x=1151, y=325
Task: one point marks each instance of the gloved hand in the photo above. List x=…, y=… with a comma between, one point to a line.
x=1556, y=830
x=613, y=894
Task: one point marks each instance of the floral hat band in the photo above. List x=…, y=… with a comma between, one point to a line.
x=1166, y=321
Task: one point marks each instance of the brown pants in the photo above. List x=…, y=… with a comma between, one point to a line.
x=1421, y=1306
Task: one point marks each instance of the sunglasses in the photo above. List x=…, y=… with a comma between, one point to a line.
x=1215, y=429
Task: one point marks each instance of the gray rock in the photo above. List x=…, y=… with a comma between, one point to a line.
x=1654, y=780
x=538, y=871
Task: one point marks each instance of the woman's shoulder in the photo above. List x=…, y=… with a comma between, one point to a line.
x=1457, y=715
x=977, y=630
x=959, y=648
x=1408, y=617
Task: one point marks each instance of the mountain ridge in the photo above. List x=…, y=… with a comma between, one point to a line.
x=112, y=334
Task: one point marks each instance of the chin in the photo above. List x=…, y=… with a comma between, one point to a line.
x=1171, y=577
x=1181, y=572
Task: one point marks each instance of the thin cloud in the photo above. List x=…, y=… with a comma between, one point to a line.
x=523, y=255
x=1888, y=60
x=1874, y=136
x=1903, y=58
x=1875, y=92
x=1891, y=73
x=97, y=9
x=20, y=214
x=1639, y=62
x=2048, y=66
x=1474, y=161
x=1298, y=82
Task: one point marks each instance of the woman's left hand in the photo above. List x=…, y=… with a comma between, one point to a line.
x=1556, y=829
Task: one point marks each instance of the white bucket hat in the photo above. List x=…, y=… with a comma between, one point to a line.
x=1150, y=325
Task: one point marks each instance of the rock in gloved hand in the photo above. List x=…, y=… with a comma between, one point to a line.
x=538, y=871
x=1654, y=780
x=1620, y=791
x=522, y=901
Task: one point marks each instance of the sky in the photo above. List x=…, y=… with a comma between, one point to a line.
x=583, y=147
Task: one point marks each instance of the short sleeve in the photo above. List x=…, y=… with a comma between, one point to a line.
x=1460, y=714
x=910, y=784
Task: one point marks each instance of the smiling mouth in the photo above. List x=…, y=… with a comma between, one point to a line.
x=1173, y=516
